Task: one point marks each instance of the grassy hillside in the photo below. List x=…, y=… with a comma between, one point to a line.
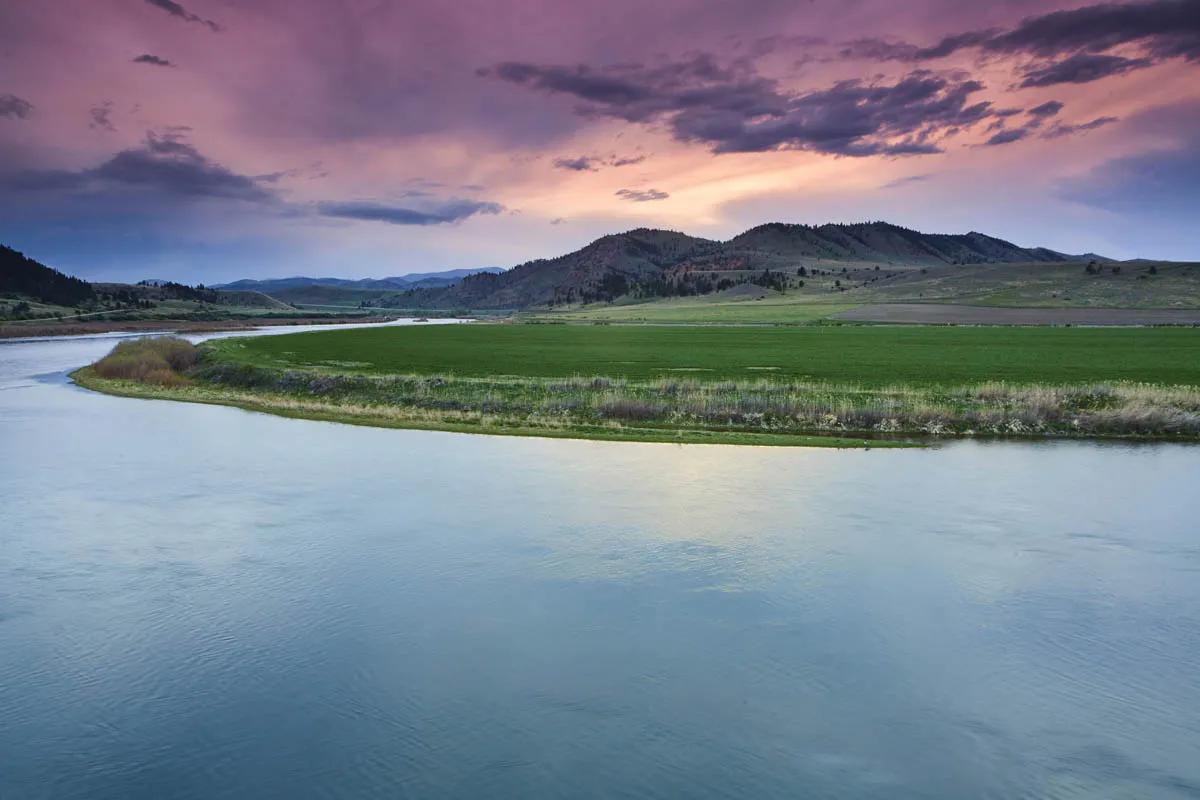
x=760, y=308
x=647, y=264
x=834, y=288
x=1111, y=285
x=23, y=279
x=870, y=355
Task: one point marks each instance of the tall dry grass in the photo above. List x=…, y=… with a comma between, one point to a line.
x=160, y=360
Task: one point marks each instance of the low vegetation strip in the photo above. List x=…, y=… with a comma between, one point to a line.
x=946, y=314
x=765, y=410
x=848, y=354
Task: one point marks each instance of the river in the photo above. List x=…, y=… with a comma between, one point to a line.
x=202, y=602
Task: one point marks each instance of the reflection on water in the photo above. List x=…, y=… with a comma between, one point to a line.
x=202, y=602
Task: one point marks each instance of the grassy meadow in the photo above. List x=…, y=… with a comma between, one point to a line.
x=837, y=385
x=868, y=355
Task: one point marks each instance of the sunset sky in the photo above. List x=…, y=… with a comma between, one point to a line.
x=209, y=140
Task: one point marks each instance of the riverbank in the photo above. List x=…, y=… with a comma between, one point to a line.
x=21, y=330
x=416, y=417
x=759, y=411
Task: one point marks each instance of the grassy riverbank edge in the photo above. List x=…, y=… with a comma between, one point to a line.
x=758, y=411
x=286, y=406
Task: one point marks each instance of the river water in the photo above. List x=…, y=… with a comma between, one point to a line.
x=203, y=602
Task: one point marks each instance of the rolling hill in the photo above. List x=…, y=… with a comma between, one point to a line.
x=647, y=263
x=31, y=292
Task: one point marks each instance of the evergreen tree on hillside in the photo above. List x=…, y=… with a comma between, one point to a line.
x=24, y=276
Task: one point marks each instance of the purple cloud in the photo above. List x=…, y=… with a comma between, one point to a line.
x=101, y=117
x=1047, y=109
x=1007, y=137
x=1059, y=130
x=594, y=163
x=1161, y=29
x=153, y=60
x=176, y=10
x=1082, y=68
x=641, y=195
x=14, y=107
x=165, y=163
x=453, y=210
x=734, y=109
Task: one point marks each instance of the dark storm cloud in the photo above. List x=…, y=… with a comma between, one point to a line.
x=1082, y=68
x=153, y=60
x=165, y=164
x=1161, y=29
x=641, y=195
x=14, y=107
x=734, y=109
x=176, y=10
x=1047, y=109
x=450, y=211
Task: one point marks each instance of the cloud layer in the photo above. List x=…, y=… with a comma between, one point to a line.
x=132, y=134
x=439, y=214
x=734, y=109
x=164, y=164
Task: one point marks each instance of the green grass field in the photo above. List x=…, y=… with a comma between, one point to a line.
x=867, y=355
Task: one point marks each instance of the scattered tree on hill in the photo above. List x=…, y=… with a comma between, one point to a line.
x=770, y=280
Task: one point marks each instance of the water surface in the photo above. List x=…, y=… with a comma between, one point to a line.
x=202, y=602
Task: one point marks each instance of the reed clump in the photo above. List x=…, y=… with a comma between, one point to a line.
x=161, y=360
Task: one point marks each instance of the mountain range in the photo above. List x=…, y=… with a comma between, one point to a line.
x=413, y=280
x=650, y=263
x=639, y=264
